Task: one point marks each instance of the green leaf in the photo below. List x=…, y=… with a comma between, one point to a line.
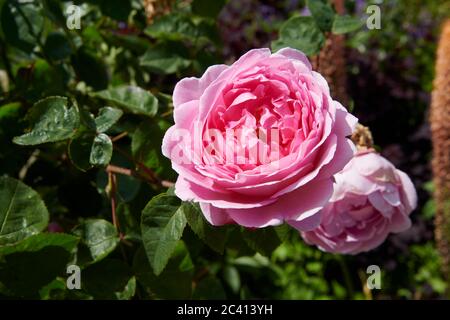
x=128, y=291
x=101, y=152
x=35, y=262
x=322, y=13
x=116, y=9
x=214, y=237
x=130, y=98
x=132, y=42
x=98, y=239
x=9, y=110
x=53, y=10
x=128, y=222
x=42, y=80
x=346, y=24
x=80, y=150
x=39, y=241
x=175, y=282
x=162, y=226
x=55, y=290
x=237, y=243
x=232, y=278
x=90, y=68
x=52, y=121
x=21, y=24
x=300, y=33
x=209, y=288
x=207, y=8
x=264, y=240
x=106, y=118
x=109, y=279
x=166, y=58
x=57, y=46
x=22, y=211
x=146, y=147
x=172, y=27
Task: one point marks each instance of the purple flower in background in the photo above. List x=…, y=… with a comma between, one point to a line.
x=305, y=11
x=360, y=6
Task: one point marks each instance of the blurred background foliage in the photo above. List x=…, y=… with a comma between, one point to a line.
x=118, y=72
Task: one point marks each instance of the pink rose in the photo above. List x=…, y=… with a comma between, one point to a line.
x=256, y=143
x=371, y=199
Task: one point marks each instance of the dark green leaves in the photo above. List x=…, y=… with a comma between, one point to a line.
x=90, y=68
x=22, y=211
x=146, y=147
x=214, y=237
x=307, y=34
x=21, y=24
x=80, y=150
x=346, y=24
x=172, y=27
x=175, y=282
x=106, y=118
x=116, y=9
x=35, y=262
x=162, y=226
x=109, y=279
x=207, y=8
x=209, y=288
x=39, y=241
x=322, y=13
x=132, y=99
x=57, y=46
x=89, y=150
x=52, y=121
x=101, y=151
x=91, y=147
x=98, y=239
x=301, y=33
x=264, y=240
x=166, y=58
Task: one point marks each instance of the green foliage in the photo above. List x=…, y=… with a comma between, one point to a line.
x=214, y=237
x=34, y=263
x=322, y=13
x=101, y=151
x=207, y=8
x=98, y=238
x=163, y=222
x=106, y=118
x=308, y=33
x=300, y=33
x=22, y=211
x=167, y=58
x=131, y=99
x=345, y=24
x=52, y=121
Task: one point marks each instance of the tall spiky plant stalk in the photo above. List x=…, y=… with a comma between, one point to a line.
x=331, y=62
x=440, y=133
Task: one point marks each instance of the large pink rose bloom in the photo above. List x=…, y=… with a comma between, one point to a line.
x=371, y=199
x=276, y=104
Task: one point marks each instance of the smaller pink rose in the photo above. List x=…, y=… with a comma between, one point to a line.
x=371, y=199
